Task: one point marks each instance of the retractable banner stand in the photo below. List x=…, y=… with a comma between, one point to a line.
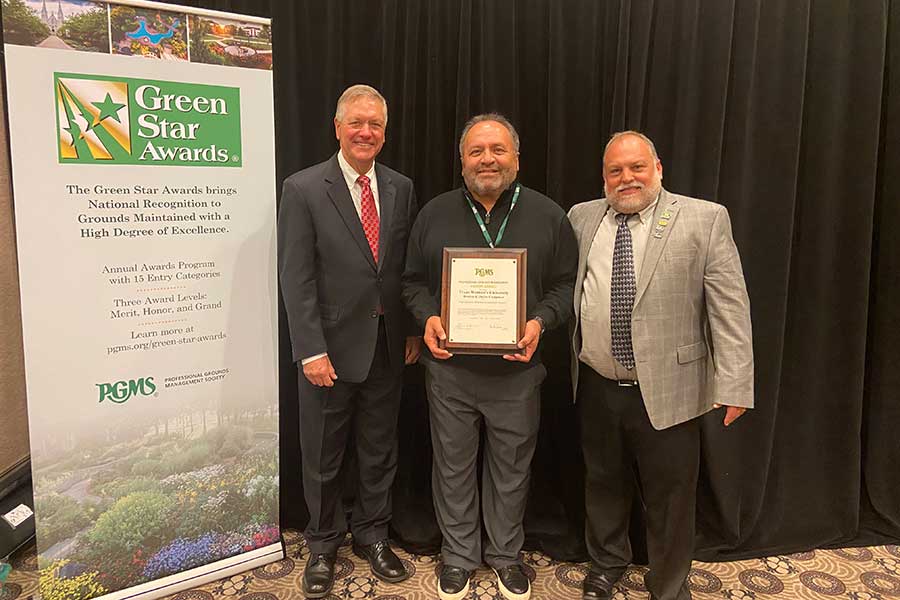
x=142, y=147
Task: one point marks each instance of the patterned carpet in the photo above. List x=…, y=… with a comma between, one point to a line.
x=851, y=574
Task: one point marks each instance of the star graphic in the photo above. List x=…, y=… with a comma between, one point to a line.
x=75, y=131
x=108, y=108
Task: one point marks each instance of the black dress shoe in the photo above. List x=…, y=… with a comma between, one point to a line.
x=318, y=576
x=453, y=583
x=599, y=585
x=513, y=582
x=385, y=564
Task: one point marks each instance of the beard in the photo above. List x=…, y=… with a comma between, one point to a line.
x=633, y=203
x=489, y=186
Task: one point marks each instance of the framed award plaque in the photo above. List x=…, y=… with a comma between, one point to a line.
x=483, y=299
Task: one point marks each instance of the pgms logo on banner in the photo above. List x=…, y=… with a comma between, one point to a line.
x=120, y=391
x=126, y=121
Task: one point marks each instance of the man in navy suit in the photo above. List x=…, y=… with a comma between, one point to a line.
x=342, y=232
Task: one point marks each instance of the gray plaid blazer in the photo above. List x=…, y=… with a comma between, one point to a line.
x=691, y=320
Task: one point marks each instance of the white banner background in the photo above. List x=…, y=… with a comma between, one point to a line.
x=221, y=352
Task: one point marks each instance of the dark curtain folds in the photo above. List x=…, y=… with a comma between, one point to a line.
x=881, y=411
x=785, y=111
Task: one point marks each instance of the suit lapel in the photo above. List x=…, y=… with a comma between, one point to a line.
x=666, y=212
x=588, y=232
x=339, y=194
x=386, y=196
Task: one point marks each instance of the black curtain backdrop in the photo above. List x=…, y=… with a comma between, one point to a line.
x=785, y=111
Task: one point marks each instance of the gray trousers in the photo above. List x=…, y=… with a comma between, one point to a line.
x=460, y=400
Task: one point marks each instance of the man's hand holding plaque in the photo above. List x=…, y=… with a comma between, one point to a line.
x=529, y=342
x=434, y=336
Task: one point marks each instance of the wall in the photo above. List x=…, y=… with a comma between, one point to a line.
x=13, y=417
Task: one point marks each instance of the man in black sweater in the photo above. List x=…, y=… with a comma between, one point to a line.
x=492, y=210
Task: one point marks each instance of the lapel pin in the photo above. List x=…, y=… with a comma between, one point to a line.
x=662, y=223
x=658, y=230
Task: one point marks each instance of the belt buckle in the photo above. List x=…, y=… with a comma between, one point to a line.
x=626, y=383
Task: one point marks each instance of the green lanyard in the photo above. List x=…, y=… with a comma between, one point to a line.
x=484, y=231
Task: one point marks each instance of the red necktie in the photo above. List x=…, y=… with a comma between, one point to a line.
x=369, y=215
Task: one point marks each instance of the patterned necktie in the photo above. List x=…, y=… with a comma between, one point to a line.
x=621, y=294
x=369, y=215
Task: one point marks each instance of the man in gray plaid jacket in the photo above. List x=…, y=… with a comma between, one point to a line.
x=661, y=336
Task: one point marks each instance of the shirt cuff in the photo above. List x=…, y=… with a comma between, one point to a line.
x=309, y=359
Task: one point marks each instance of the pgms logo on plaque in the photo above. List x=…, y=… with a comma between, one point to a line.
x=125, y=121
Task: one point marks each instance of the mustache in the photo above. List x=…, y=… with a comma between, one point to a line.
x=627, y=186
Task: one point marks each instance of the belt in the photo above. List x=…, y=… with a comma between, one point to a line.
x=618, y=382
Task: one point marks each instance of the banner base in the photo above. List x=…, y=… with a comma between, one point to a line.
x=200, y=575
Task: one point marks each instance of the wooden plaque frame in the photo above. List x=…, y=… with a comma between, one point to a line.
x=521, y=255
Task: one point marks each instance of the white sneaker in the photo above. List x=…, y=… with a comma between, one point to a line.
x=453, y=584
x=513, y=583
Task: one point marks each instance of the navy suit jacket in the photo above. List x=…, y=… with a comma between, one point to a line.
x=333, y=288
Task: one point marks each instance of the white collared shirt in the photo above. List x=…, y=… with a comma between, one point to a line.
x=350, y=176
x=596, y=333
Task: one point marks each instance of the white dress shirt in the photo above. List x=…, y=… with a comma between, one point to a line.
x=350, y=176
x=596, y=333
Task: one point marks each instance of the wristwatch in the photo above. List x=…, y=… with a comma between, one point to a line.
x=540, y=321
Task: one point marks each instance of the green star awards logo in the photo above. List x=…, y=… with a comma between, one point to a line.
x=120, y=120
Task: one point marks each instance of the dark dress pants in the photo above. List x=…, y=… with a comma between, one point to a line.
x=365, y=413
x=459, y=401
x=621, y=447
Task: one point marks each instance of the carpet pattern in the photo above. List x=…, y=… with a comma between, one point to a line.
x=849, y=574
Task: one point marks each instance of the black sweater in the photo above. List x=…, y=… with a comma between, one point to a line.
x=537, y=223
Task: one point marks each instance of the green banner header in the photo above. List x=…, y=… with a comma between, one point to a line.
x=126, y=121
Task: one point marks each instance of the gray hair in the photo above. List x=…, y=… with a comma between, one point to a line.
x=355, y=92
x=638, y=134
x=497, y=117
